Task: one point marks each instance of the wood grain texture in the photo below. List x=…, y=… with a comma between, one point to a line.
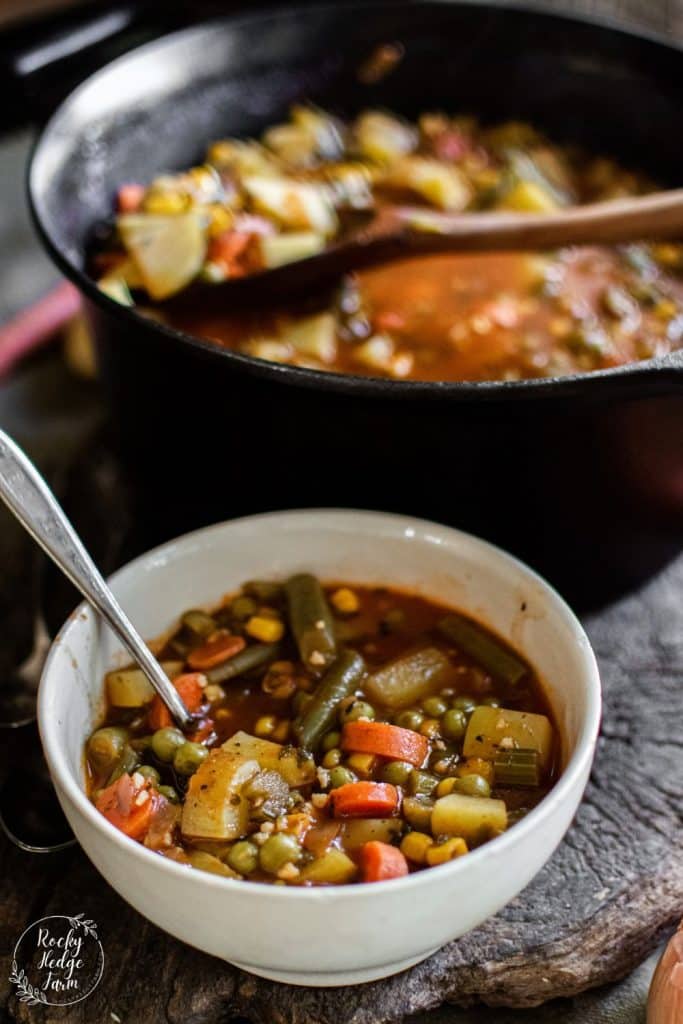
x=606, y=898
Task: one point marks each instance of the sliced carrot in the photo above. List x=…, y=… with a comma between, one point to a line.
x=128, y=804
x=191, y=689
x=129, y=197
x=364, y=800
x=386, y=741
x=229, y=251
x=380, y=861
x=221, y=647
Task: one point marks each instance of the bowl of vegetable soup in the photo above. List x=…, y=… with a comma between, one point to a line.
x=393, y=726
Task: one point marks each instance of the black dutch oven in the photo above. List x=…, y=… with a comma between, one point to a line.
x=582, y=475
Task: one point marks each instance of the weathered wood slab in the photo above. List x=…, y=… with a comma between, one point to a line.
x=599, y=907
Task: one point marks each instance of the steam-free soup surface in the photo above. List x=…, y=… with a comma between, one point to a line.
x=257, y=204
x=343, y=734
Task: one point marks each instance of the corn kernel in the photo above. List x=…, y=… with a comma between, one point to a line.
x=362, y=764
x=444, y=852
x=265, y=725
x=415, y=845
x=220, y=219
x=667, y=253
x=666, y=309
x=164, y=202
x=445, y=787
x=265, y=629
x=345, y=601
x=476, y=766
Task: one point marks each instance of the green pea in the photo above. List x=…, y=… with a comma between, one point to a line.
x=148, y=772
x=127, y=764
x=410, y=719
x=243, y=857
x=418, y=812
x=434, y=706
x=278, y=850
x=170, y=793
x=465, y=703
x=396, y=772
x=421, y=783
x=165, y=742
x=332, y=758
x=188, y=758
x=330, y=740
x=357, y=709
x=243, y=608
x=105, y=748
x=340, y=776
x=472, y=785
x=454, y=724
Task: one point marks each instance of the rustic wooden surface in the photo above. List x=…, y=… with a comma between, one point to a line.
x=593, y=913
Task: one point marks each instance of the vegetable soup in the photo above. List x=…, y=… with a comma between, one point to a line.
x=342, y=734
x=258, y=204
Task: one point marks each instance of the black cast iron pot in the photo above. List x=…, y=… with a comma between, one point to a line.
x=583, y=476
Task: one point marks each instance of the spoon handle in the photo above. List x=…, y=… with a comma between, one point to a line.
x=659, y=215
x=27, y=495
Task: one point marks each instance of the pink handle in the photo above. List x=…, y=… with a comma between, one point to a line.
x=37, y=325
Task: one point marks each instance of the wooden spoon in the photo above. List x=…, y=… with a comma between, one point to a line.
x=398, y=232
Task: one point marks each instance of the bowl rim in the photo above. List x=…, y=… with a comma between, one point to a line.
x=412, y=528
x=658, y=371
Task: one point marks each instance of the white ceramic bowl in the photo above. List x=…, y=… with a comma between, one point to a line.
x=353, y=933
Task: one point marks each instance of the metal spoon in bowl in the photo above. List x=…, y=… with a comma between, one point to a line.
x=398, y=232
x=27, y=495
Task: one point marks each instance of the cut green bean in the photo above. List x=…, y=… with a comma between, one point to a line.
x=311, y=621
x=267, y=591
x=199, y=623
x=254, y=656
x=341, y=680
x=483, y=648
x=517, y=768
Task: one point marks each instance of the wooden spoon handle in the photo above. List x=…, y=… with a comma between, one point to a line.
x=659, y=215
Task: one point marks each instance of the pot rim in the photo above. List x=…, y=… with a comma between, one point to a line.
x=660, y=373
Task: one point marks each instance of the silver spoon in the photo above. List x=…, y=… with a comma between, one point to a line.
x=27, y=495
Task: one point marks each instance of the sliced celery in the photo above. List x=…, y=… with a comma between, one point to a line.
x=482, y=647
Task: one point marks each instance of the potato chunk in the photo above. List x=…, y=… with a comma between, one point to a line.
x=475, y=819
x=493, y=729
x=295, y=767
x=168, y=250
x=215, y=807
